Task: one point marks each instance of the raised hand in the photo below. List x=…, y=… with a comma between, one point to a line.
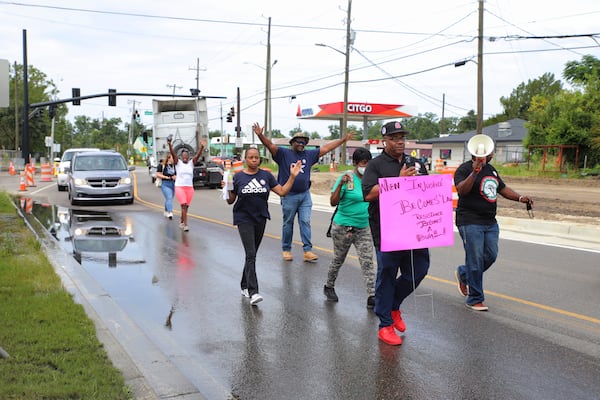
x=296, y=168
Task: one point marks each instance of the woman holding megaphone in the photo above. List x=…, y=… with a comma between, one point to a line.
x=478, y=184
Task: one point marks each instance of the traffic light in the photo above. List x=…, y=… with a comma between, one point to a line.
x=112, y=97
x=136, y=115
x=230, y=115
x=76, y=92
x=52, y=111
x=232, y=111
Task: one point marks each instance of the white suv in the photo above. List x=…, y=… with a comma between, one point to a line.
x=65, y=162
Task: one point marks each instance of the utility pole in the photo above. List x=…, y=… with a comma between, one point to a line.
x=130, y=141
x=174, y=86
x=443, y=121
x=238, y=129
x=267, y=92
x=25, y=132
x=222, y=133
x=480, y=71
x=16, y=109
x=344, y=128
x=197, y=69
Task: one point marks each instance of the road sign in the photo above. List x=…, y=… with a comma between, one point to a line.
x=147, y=112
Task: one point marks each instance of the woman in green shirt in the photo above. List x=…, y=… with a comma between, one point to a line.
x=351, y=226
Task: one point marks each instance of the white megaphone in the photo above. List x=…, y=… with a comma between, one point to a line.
x=480, y=146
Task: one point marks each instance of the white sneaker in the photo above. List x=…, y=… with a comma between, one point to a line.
x=181, y=225
x=245, y=293
x=186, y=228
x=165, y=214
x=255, y=299
x=170, y=215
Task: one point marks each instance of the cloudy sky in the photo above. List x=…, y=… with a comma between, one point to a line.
x=403, y=52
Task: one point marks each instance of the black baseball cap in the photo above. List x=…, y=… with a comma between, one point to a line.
x=393, y=127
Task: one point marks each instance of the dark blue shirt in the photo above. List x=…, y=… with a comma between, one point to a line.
x=286, y=157
x=252, y=193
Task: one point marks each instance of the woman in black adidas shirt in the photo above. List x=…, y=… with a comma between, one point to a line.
x=250, y=193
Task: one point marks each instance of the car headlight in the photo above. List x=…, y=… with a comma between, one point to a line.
x=79, y=181
x=125, y=181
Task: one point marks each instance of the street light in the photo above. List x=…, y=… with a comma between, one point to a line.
x=331, y=47
x=479, y=92
x=343, y=128
x=267, y=124
x=346, y=54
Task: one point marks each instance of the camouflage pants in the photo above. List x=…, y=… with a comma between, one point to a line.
x=343, y=237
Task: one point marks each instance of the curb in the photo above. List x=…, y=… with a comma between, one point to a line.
x=147, y=371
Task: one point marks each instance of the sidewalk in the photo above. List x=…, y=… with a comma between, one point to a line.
x=537, y=231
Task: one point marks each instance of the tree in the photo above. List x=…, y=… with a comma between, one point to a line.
x=467, y=123
x=374, y=130
x=579, y=73
x=422, y=126
x=104, y=134
x=517, y=104
x=570, y=117
x=276, y=134
x=315, y=135
x=40, y=90
x=334, y=132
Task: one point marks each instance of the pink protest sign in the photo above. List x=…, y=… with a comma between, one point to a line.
x=416, y=212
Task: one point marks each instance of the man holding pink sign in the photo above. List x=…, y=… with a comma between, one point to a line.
x=391, y=290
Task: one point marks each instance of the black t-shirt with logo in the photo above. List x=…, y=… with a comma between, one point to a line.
x=252, y=193
x=478, y=207
x=384, y=166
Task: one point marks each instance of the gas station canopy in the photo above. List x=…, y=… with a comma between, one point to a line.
x=356, y=112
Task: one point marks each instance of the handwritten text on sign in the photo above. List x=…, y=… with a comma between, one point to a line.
x=416, y=212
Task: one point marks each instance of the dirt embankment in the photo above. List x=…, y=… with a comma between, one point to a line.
x=568, y=200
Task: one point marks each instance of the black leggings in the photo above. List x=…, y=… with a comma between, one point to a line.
x=251, y=236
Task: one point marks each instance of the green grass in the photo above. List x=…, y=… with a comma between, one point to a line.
x=53, y=348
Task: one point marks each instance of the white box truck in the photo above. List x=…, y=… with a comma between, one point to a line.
x=187, y=121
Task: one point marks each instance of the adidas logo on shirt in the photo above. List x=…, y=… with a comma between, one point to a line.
x=254, y=186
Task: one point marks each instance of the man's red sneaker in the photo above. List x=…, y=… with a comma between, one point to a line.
x=387, y=334
x=398, y=323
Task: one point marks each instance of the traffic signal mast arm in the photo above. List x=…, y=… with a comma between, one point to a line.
x=93, y=96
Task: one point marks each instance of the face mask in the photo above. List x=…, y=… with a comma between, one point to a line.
x=361, y=170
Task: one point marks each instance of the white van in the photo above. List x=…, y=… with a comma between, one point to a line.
x=65, y=162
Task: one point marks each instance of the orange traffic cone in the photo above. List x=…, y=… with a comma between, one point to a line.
x=11, y=169
x=22, y=187
x=299, y=112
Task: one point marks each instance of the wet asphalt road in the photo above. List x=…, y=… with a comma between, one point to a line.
x=540, y=339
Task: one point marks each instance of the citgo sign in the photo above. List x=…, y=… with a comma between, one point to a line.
x=360, y=108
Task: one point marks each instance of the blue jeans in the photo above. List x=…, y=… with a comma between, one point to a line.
x=168, y=190
x=391, y=290
x=481, y=249
x=292, y=204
